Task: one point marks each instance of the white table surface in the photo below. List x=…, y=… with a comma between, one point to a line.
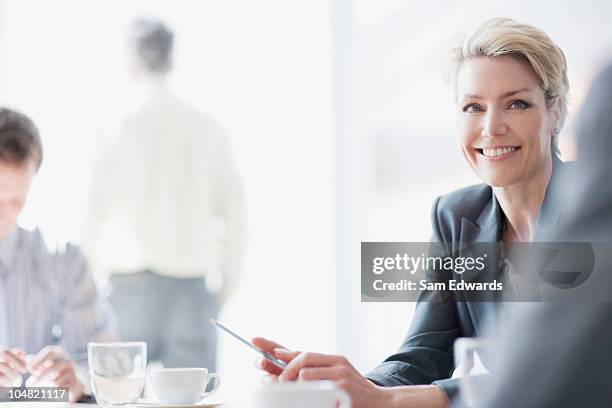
x=69, y=405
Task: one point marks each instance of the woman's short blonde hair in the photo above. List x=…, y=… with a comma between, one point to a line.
x=504, y=36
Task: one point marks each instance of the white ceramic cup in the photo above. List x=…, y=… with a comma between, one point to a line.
x=307, y=394
x=182, y=385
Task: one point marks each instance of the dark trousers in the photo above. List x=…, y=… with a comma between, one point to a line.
x=171, y=315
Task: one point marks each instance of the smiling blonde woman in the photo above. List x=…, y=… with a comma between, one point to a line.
x=510, y=82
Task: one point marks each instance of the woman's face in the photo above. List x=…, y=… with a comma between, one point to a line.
x=505, y=127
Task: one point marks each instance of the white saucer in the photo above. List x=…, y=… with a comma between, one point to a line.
x=155, y=404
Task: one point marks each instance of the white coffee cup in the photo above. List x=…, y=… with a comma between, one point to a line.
x=182, y=385
x=307, y=394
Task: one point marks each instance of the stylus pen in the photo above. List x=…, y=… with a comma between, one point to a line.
x=279, y=363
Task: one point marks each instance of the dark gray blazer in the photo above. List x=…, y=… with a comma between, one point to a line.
x=564, y=353
x=460, y=218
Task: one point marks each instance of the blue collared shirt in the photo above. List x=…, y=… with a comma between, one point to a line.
x=40, y=289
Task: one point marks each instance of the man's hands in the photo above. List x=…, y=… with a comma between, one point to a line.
x=48, y=368
x=12, y=366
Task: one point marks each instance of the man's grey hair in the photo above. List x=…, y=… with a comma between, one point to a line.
x=150, y=41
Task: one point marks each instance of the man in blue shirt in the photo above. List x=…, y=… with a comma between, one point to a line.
x=49, y=306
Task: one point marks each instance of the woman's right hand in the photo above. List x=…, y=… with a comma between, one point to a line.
x=272, y=347
x=316, y=367
x=12, y=366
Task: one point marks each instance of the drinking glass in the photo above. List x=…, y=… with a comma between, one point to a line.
x=117, y=372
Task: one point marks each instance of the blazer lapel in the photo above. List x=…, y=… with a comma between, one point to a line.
x=486, y=231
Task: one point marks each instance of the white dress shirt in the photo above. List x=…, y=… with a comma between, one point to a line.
x=166, y=197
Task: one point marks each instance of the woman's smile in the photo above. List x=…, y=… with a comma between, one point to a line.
x=497, y=153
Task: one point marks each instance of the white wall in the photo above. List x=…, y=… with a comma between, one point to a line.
x=263, y=70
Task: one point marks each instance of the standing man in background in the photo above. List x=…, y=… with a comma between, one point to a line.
x=167, y=213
